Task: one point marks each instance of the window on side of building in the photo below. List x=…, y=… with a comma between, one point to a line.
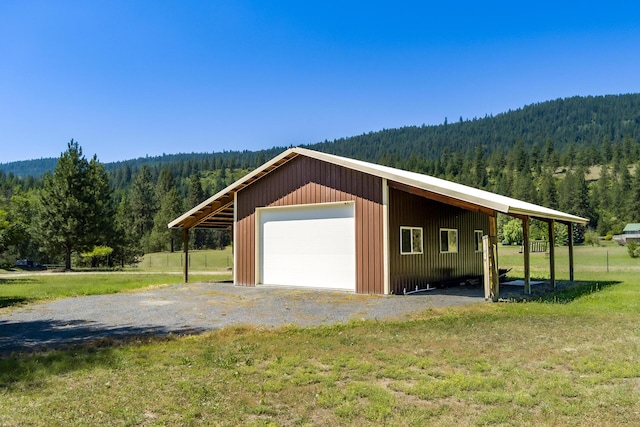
x=448, y=240
x=477, y=240
x=411, y=240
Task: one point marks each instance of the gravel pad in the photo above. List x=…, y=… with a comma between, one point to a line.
x=195, y=308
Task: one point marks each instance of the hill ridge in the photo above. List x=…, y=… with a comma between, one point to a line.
x=576, y=120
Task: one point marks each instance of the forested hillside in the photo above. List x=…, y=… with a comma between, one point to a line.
x=578, y=123
x=577, y=127
x=579, y=155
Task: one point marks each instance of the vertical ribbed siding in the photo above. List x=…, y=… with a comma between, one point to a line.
x=304, y=181
x=409, y=271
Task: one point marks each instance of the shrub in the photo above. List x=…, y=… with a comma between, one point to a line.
x=562, y=235
x=98, y=256
x=591, y=238
x=513, y=232
x=633, y=248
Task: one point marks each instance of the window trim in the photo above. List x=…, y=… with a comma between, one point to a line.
x=477, y=242
x=449, y=231
x=411, y=230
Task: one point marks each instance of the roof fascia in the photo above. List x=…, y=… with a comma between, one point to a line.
x=433, y=189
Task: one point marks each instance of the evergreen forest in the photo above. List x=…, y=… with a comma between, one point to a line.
x=578, y=154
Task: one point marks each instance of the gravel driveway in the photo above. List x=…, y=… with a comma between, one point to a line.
x=194, y=308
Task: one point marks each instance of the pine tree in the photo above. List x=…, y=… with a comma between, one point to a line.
x=101, y=195
x=602, y=196
x=569, y=158
x=535, y=158
x=630, y=149
x=621, y=192
x=524, y=187
x=574, y=196
x=165, y=183
x=22, y=229
x=127, y=246
x=619, y=160
x=550, y=156
x=607, y=150
x=75, y=212
x=143, y=203
x=548, y=190
x=633, y=206
x=518, y=159
x=479, y=169
x=161, y=236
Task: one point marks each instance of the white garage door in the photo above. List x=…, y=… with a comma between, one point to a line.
x=310, y=245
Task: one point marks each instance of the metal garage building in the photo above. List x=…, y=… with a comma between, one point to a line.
x=312, y=219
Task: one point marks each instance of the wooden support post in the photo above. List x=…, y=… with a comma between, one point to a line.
x=185, y=244
x=493, y=257
x=486, y=267
x=552, y=253
x=570, y=231
x=527, y=255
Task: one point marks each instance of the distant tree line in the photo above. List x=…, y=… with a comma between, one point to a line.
x=75, y=215
x=579, y=155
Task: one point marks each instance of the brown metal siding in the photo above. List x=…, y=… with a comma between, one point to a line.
x=304, y=180
x=409, y=271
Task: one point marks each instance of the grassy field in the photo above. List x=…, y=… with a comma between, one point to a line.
x=24, y=288
x=589, y=262
x=209, y=260
x=572, y=361
x=156, y=269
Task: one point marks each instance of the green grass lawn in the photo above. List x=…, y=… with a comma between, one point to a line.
x=589, y=262
x=156, y=269
x=573, y=362
x=208, y=260
x=24, y=288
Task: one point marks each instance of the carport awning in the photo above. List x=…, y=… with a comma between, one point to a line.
x=217, y=211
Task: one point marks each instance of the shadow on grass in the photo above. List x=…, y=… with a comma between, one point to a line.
x=566, y=292
x=16, y=280
x=542, y=291
x=8, y=301
x=11, y=301
x=32, y=350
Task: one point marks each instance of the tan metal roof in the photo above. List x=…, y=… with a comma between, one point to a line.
x=217, y=211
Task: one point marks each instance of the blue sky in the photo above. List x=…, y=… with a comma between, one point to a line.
x=134, y=78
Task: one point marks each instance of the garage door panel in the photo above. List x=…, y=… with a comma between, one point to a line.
x=298, y=273
x=308, y=236
x=313, y=246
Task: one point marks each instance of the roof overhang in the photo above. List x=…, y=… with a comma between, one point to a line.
x=217, y=211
